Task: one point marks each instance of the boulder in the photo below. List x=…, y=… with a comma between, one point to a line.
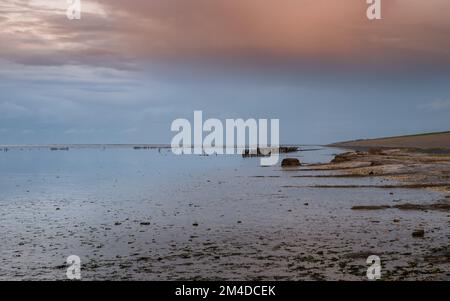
x=290, y=162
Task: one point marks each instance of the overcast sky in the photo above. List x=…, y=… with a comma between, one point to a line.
x=124, y=71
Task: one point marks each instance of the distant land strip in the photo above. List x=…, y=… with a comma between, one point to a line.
x=425, y=141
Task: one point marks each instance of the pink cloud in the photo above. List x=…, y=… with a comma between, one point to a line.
x=120, y=32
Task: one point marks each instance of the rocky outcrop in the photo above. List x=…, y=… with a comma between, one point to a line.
x=345, y=157
x=267, y=152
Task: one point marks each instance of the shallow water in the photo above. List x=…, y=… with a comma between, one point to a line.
x=148, y=214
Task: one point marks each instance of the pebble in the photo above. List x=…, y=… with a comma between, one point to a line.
x=418, y=233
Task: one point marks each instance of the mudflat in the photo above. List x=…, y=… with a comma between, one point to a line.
x=152, y=216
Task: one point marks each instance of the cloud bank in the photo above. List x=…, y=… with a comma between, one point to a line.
x=114, y=32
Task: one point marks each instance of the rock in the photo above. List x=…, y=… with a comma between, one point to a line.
x=373, y=207
x=195, y=224
x=345, y=157
x=145, y=223
x=419, y=233
x=290, y=162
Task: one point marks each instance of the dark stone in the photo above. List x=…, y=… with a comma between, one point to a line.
x=419, y=233
x=290, y=162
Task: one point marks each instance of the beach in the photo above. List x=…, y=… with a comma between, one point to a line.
x=146, y=214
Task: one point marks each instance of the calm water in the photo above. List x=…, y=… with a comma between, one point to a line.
x=116, y=172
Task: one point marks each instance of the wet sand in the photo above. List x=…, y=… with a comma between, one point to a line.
x=241, y=223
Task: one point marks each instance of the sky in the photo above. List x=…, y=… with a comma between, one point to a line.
x=127, y=69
